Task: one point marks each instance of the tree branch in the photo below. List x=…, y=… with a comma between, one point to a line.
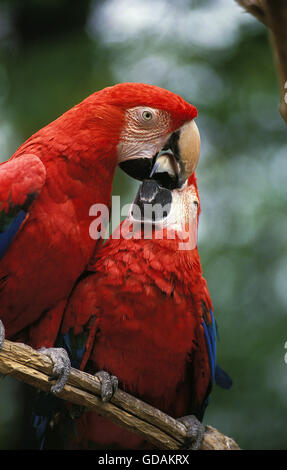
x=255, y=8
x=163, y=431
x=273, y=13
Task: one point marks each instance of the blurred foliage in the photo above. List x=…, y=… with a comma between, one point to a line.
x=53, y=54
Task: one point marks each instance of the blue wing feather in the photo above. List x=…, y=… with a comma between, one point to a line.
x=222, y=378
x=7, y=236
x=210, y=337
x=218, y=375
x=11, y=221
x=75, y=353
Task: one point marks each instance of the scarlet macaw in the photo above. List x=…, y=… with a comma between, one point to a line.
x=142, y=316
x=49, y=184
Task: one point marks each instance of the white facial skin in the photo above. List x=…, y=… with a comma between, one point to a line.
x=184, y=208
x=183, y=212
x=181, y=218
x=145, y=132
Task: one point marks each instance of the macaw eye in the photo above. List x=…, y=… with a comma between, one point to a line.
x=147, y=115
x=196, y=204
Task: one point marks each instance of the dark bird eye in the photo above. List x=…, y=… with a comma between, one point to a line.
x=147, y=115
x=196, y=204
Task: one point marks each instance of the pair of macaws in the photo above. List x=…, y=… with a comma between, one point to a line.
x=134, y=308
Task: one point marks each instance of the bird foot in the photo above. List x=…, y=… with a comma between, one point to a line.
x=61, y=367
x=194, y=432
x=109, y=384
x=2, y=334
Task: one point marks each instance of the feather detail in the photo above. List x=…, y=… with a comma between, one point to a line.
x=20, y=181
x=9, y=230
x=222, y=378
x=210, y=336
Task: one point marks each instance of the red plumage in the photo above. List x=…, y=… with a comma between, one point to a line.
x=147, y=300
x=67, y=166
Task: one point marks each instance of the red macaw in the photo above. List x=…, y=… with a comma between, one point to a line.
x=49, y=184
x=143, y=314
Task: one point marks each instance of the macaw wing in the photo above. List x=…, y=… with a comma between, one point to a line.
x=80, y=322
x=21, y=180
x=210, y=334
x=218, y=375
x=208, y=338
x=222, y=378
x=77, y=345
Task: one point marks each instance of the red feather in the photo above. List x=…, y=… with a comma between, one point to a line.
x=149, y=299
x=74, y=160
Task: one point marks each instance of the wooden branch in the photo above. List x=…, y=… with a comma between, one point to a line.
x=163, y=431
x=255, y=8
x=273, y=13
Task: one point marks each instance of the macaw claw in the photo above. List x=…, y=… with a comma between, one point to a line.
x=2, y=334
x=109, y=385
x=194, y=432
x=61, y=367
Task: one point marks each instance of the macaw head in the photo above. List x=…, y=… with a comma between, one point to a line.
x=167, y=213
x=157, y=134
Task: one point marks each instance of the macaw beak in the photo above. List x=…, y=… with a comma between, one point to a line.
x=152, y=202
x=174, y=163
x=138, y=168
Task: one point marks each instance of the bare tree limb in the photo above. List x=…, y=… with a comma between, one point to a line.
x=255, y=8
x=273, y=13
x=163, y=431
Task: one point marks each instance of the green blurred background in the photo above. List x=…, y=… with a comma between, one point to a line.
x=55, y=53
